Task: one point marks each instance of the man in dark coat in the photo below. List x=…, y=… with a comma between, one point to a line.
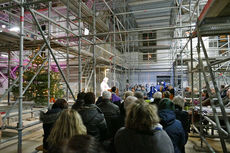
x=171, y=125
x=111, y=113
x=93, y=118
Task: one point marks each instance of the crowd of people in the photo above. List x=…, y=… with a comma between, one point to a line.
x=112, y=124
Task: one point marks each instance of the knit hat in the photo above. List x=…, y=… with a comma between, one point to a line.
x=106, y=95
x=166, y=104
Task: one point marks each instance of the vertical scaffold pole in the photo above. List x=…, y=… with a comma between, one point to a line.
x=67, y=52
x=79, y=48
x=49, y=60
x=94, y=47
x=21, y=77
x=191, y=55
x=114, y=50
x=200, y=93
x=8, y=73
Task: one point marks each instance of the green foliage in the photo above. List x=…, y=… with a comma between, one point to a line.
x=38, y=90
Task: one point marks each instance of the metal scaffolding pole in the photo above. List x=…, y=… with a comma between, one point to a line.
x=20, y=126
x=67, y=51
x=217, y=124
x=191, y=55
x=200, y=92
x=79, y=49
x=114, y=51
x=47, y=43
x=9, y=78
x=49, y=60
x=215, y=84
x=94, y=49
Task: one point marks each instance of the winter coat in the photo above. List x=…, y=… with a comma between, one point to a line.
x=48, y=119
x=132, y=141
x=183, y=117
x=112, y=116
x=115, y=98
x=94, y=121
x=173, y=128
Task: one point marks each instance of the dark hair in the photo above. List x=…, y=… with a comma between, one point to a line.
x=79, y=101
x=113, y=89
x=60, y=103
x=81, y=95
x=166, y=94
x=89, y=98
x=83, y=144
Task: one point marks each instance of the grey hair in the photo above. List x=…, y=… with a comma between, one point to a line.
x=129, y=100
x=106, y=95
x=139, y=95
x=127, y=94
x=178, y=100
x=157, y=95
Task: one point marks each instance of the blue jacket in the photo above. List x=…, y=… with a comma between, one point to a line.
x=173, y=128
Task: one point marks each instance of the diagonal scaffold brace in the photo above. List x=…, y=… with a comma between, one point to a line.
x=51, y=52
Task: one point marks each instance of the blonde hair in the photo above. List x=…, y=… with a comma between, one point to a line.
x=67, y=125
x=141, y=116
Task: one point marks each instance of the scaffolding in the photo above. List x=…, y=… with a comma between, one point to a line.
x=209, y=68
x=93, y=36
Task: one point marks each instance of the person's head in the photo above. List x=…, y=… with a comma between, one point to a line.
x=105, y=79
x=80, y=96
x=129, y=100
x=179, y=101
x=82, y=144
x=139, y=95
x=67, y=125
x=127, y=94
x=106, y=95
x=60, y=103
x=89, y=98
x=222, y=86
x=113, y=89
x=205, y=93
x=157, y=95
x=166, y=103
x=141, y=116
x=166, y=94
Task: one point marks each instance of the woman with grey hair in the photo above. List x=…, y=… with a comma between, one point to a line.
x=142, y=123
x=182, y=115
x=157, y=98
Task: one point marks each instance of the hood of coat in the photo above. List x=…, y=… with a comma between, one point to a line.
x=51, y=116
x=167, y=117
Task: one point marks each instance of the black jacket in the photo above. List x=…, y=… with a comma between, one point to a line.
x=48, y=119
x=112, y=116
x=132, y=141
x=94, y=121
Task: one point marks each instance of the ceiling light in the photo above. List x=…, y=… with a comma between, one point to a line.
x=15, y=29
x=3, y=26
